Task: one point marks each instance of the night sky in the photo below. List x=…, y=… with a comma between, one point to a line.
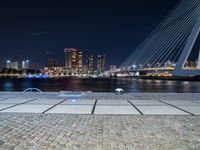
x=36, y=30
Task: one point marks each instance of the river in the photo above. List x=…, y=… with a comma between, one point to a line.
x=100, y=85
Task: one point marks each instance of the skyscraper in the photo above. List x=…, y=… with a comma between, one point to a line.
x=25, y=64
x=70, y=57
x=101, y=59
x=12, y=64
x=80, y=62
x=90, y=63
x=73, y=60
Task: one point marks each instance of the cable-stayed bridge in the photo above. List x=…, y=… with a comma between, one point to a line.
x=173, y=44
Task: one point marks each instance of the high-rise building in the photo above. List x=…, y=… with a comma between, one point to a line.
x=80, y=62
x=70, y=58
x=101, y=59
x=90, y=63
x=73, y=60
x=52, y=62
x=25, y=64
x=12, y=64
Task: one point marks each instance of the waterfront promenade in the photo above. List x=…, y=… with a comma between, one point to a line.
x=101, y=121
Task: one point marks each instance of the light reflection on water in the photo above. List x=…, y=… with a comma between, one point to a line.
x=100, y=85
x=7, y=85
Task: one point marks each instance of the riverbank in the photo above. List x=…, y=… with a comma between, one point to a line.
x=174, y=78
x=170, y=78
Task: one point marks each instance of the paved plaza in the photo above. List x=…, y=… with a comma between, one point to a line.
x=99, y=121
x=101, y=103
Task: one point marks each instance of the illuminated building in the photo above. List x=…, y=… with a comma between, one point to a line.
x=8, y=64
x=70, y=58
x=53, y=71
x=85, y=69
x=80, y=62
x=12, y=64
x=101, y=59
x=73, y=61
x=25, y=64
x=52, y=62
x=90, y=63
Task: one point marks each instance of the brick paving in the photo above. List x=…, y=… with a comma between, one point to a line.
x=98, y=132
x=37, y=131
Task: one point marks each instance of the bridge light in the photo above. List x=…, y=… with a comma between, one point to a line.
x=134, y=66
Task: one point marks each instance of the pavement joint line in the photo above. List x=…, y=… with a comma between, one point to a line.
x=177, y=107
x=53, y=106
x=15, y=104
x=29, y=101
x=9, y=107
x=135, y=107
x=94, y=106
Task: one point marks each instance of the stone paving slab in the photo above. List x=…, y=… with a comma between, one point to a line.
x=46, y=101
x=147, y=102
x=115, y=110
x=2, y=106
x=165, y=96
x=193, y=109
x=107, y=99
x=112, y=102
x=30, y=95
x=75, y=101
x=182, y=102
x=106, y=96
x=6, y=96
x=160, y=110
x=72, y=109
x=15, y=100
x=28, y=108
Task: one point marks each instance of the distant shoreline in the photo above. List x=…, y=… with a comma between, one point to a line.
x=176, y=78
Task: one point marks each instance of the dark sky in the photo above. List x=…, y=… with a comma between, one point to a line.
x=29, y=28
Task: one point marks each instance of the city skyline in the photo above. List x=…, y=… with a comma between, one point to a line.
x=74, y=60
x=52, y=61
x=36, y=29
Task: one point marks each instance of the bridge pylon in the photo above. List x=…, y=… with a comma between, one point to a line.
x=180, y=70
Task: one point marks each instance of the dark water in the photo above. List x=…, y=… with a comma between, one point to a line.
x=100, y=85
